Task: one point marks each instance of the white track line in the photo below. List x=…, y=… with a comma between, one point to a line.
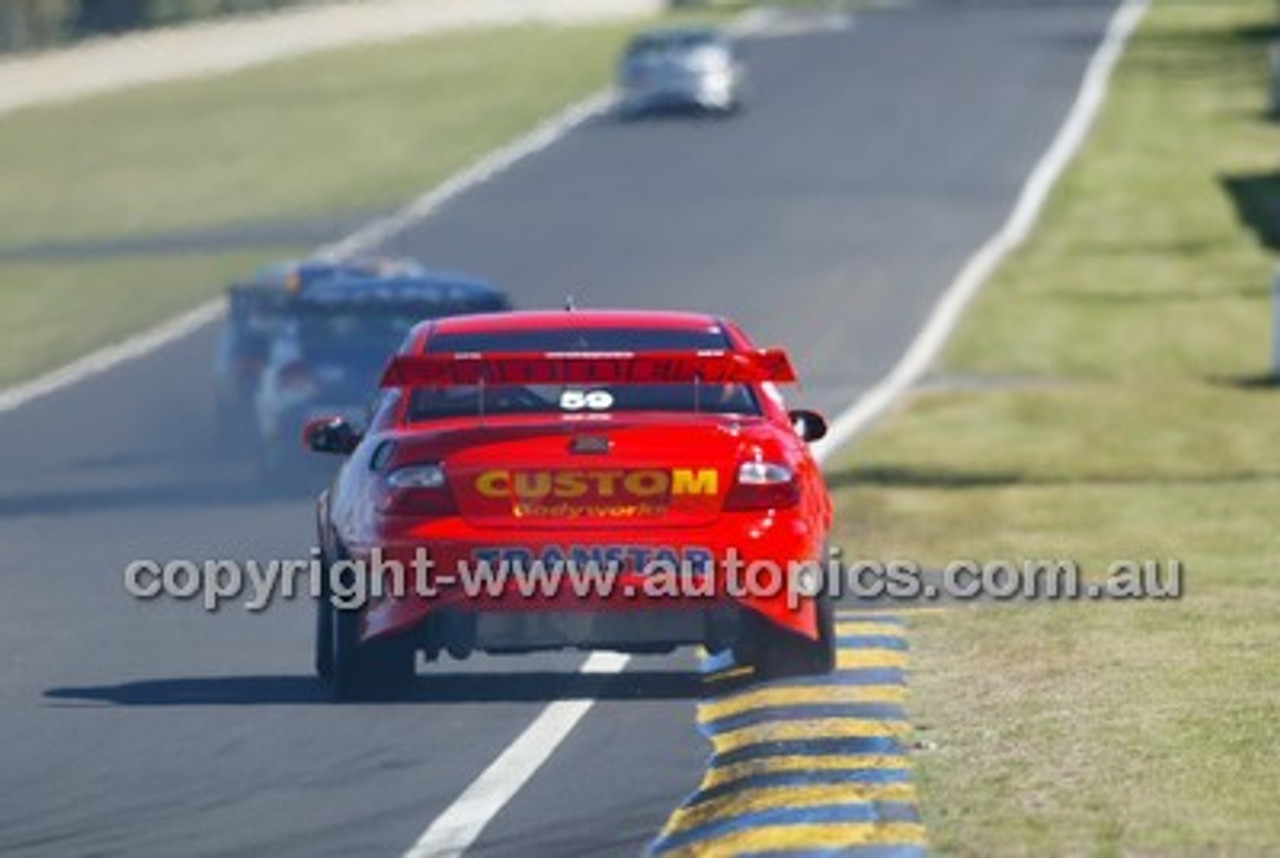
x=478, y=173
x=139, y=345
x=103, y=359
x=457, y=828
x=377, y=232
x=979, y=268
x=463, y=821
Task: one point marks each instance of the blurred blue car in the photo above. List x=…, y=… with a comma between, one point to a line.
x=311, y=338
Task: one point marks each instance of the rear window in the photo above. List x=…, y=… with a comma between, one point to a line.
x=440, y=402
x=345, y=332
x=378, y=327
x=661, y=42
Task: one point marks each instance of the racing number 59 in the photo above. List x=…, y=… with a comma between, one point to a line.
x=592, y=400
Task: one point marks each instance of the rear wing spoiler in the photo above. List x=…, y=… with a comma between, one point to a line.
x=587, y=368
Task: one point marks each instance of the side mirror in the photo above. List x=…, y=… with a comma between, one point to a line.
x=809, y=425
x=330, y=435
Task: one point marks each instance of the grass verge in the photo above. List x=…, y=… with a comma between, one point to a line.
x=332, y=132
x=49, y=312
x=312, y=138
x=1135, y=325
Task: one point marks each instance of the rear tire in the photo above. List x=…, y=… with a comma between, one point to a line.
x=381, y=669
x=778, y=653
x=324, y=635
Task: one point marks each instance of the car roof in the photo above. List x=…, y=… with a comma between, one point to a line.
x=304, y=276
x=321, y=282
x=299, y=274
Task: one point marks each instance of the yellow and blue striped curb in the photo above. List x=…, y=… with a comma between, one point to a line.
x=807, y=767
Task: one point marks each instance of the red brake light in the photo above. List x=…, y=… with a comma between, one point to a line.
x=763, y=485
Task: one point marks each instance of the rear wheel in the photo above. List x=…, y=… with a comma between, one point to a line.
x=380, y=669
x=324, y=635
x=782, y=653
x=778, y=653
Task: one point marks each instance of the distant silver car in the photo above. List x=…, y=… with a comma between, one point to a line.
x=681, y=68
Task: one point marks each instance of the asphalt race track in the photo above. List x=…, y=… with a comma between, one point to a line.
x=827, y=218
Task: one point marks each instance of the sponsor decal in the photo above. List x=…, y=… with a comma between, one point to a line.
x=526, y=509
x=591, y=400
x=591, y=369
x=638, y=485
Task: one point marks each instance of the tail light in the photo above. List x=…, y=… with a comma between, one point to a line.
x=418, y=490
x=763, y=485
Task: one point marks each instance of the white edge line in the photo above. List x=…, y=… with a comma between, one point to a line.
x=378, y=231
x=455, y=830
x=171, y=330
x=981, y=265
x=543, y=136
x=103, y=359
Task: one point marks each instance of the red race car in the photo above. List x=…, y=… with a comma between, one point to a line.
x=617, y=480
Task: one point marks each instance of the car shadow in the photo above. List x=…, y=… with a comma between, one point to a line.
x=451, y=688
x=1256, y=198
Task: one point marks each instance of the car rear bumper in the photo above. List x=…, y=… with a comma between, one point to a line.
x=746, y=560
x=460, y=633
x=713, y=91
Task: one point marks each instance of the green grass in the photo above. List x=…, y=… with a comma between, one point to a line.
x=50, y=311
x=341, y=131
x=1136, y=325
x=328, y=133
x=331, y=132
